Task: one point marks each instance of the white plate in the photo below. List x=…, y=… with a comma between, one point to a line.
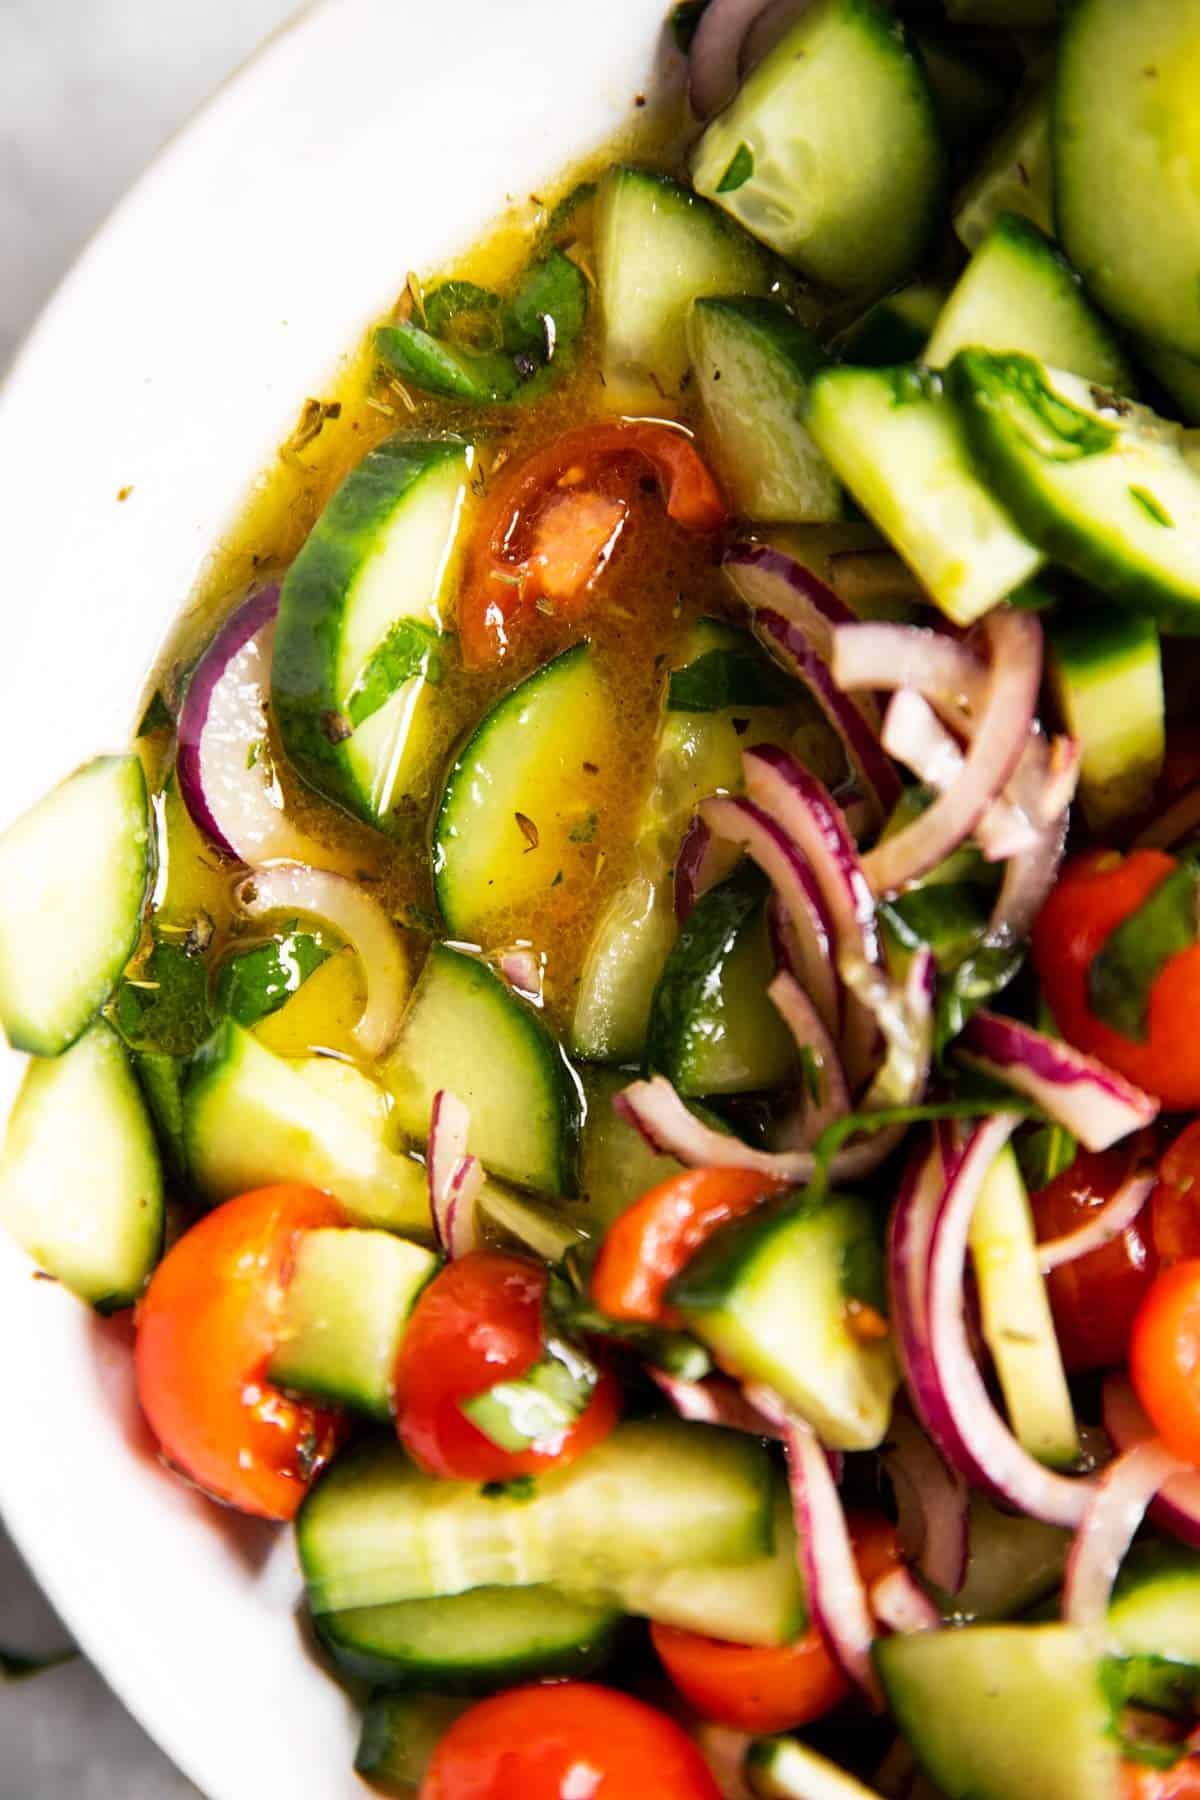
x=371, y=137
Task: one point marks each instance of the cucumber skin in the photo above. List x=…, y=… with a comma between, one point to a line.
x=305, y=655
x=705, y=942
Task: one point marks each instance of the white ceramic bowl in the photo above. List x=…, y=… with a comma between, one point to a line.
x=370, y=137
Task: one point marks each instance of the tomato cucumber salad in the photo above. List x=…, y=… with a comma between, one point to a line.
x=627, y=1033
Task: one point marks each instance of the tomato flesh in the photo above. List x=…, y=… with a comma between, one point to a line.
x=1175, y=1206
x=1094, y=1299
x=1164, y=1357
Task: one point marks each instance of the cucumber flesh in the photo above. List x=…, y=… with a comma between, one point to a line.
x=80, y=1182
x=616, y=1164
x=655, y=1495
x=831, y=151
x=1012, y=1563
x=783, y=1768
x=466, y=1030
x=1155, y=1608
x=1013, y=177
x=1106, y=671
x=400, y=1733
x=75, y=875
x=895, y=330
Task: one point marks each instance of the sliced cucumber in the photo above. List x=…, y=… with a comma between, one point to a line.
x=161, y=1079
x=466, y=1030
x=344, y=1312
x=472, y=1641
x=782, y=1768
x=543, y=1229
x=895, y=330
x=1106, y=670
x=1017, y=1325
x=1178, y=375
x=80, y=1182
x=752, y=361
x=616, y=1164
x=1013, y=1562
x=400, y=1733
x=772, y=1298
x=712, y=1028
x=896, y=442
x=1125, y=191
x=1014, y=176
x=1155, y=1608
x=658, y=248
x=251, y=1118
x=624, y=961
x=1003, y=1712
x=1098, y=483
x=655, y=1495
x=75, y=874
x=518, y=790
x=357, y=650
x=1019, y=292
x=831, y=151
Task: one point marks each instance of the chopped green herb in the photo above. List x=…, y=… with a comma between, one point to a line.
x=252, y=755
x=157, y=716
x=740, y=169
x=410, y=648
x=1134, y=955
x=723, y=678
x=1045, y=1153
x=521, y=1487
x=584, y=830
x=252, y=986
x=163, y=1004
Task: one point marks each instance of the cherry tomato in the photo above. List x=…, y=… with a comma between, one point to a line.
x=206, y=1328
x=1095, y=1298
x=763, y=1688
x=564, y=1742
x=1140, y=1782
x=648, y=1245
x=477, y=1323
x=551, y=522
x=1164, y=1357
x=1175, y=1206
x=1093, y=895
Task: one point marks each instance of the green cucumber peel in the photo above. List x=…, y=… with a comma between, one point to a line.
x=1044, y=1154
x=1123, y=972
x=542, y=1404
x=720, y=679
x=256, y=983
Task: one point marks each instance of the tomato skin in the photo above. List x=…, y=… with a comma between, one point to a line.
x=206, y=1328
x=765, y=1688
x=1140, y=1782
x=1175, y=1206
x=549, y=522
x=1094, y=1299
x=561, y=1741
x=1093, y=895
x=652, y=1240
x=1164, y=1357
x=479, y=1322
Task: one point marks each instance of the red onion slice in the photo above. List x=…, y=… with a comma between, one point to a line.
x=809, y=935
x=713, y=55
x=1118, y=1504
x=831, y=1100
x=915, y=736
x=777, y=17
x=1027, y=882
x=358, y=917
x=910, y=1234
x=455, y=1178
x=226, y=783
x=521, y=967
x=776, y=582
x=714, y=1401
x=702, y=862
x=1096, y=1105
x=1103, y=1226
x=1176, y=1508
x=931, y=1503
x=882, y=657
x=900, y=1603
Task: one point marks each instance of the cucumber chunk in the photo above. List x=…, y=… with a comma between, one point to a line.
x=1099, y=484
x=357, y=645
x=400, y=1733
x=1003, y=1712
x=1155, y=1608
x=712, y=1028
x=783, y=1768
x=895, y=330
x=1125, y=191
x=1019, y=292
x=1106, y=671
x=466, y=1030
x=474, y=1641
x=1013, y=1562
x=1178, y=375
x=1014, y=176
x=624, y=961
x=836, y=136
x=344, y=1312
x=616, y=1164
x=526, y=761
x=518, y=1219
x=80, y=1182
x=896, y=442
x=251, y=1118
x=655, y=1495
x=752, y=362
x=772, y=1298
x=75, y=875
x=658, y=248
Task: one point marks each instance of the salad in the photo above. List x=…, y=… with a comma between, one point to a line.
x=629, y=1042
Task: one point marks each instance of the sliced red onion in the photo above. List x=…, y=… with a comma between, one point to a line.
x=882, y=657
x=801, y=1129
x=1176, y=1508
x=1058, y=779
x=714, y=1401
x=455, y=1178
x=227, y=784
x=809, y=935
x=702, y=862
x=899, y=1602
x=1103, y=1226
x=1180, y=820
x=1096, y=1105
x=714, y=52
x=1027, y=882
x=356, y=916
x=1118, y=1504
x=777, y=18
x=521, y=967
x=915, y=736
x=770, y=579
x=931, y=1502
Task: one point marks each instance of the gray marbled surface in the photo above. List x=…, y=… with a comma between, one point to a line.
x=89, y=89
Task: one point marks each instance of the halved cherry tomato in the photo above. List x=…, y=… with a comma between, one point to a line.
x=1095, y=1298
x=762, y=1688
x=1164, y=1357
x=1093, y=895
x=566, y=1742
x=1140, y=1782
x=477, y=1323
x=647, y=1246
x=206, y=1328
x=1175, y=1206
x=551, y=522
